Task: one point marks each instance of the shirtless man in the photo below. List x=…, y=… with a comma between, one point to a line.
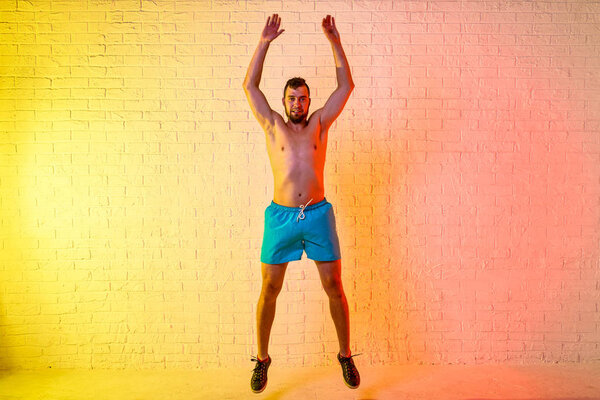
x=299, y=217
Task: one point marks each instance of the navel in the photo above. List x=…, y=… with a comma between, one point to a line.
x=299, y=194
x=315, y=146
x=281, y=148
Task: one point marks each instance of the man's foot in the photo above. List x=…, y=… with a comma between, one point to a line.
x=351, y=375
x=259, y=376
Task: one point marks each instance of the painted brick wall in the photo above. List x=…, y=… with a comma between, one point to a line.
x=464, y=174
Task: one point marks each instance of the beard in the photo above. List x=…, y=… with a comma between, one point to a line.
x=296, y=118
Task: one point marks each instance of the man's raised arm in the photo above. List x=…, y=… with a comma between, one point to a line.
x=260, y=107
x=335, y=104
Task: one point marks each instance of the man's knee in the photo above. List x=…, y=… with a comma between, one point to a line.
x=333, y=286
x=270, y=289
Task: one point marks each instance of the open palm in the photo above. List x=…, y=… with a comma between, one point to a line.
x=271, y=30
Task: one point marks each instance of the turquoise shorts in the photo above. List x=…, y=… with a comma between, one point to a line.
x=291, y=230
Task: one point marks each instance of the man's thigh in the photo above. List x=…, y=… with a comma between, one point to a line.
x=330, y=272
x=274, y=273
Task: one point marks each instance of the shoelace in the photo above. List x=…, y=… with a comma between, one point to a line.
x=260, y=368
x=346, y=365
x=301, y=213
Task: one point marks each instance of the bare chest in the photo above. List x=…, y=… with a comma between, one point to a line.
x=287, y=147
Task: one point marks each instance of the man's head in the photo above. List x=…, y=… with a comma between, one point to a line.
x=296, y=100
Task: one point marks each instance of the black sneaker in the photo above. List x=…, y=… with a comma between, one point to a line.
x=351, y=375
x=259, y=376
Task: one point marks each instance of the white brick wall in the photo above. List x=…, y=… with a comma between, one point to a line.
x=464, y=174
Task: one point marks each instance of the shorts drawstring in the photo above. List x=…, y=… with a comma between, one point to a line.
x=301, y=213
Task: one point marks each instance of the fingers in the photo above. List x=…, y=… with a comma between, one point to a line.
x=329, y=21
x=274, y=21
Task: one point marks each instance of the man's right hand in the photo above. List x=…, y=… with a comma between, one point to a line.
x=271, y=30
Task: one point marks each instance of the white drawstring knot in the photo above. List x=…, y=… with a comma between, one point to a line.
x=301, y=213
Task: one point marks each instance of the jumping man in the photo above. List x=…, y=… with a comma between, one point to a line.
x=299, y=218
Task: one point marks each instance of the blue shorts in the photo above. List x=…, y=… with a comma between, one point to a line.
x=291, y=230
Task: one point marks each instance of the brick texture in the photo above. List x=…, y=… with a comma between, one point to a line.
x=464, y=174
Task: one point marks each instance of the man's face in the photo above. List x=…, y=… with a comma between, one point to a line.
x=296, y=104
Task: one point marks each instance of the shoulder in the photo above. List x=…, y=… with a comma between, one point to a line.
x=277, y=118
x=276, y=124
x=316, y=116
x=275, y=121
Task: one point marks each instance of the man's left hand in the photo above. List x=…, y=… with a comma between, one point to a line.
x=330, y=30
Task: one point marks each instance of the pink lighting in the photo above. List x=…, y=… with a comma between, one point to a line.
x=464, y=173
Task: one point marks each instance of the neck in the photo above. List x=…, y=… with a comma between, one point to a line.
x=297, y=125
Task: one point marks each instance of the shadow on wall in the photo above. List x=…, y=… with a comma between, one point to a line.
x=363, y=179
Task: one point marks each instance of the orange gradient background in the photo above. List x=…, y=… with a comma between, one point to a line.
x=464, y=174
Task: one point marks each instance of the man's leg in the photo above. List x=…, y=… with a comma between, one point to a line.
x=331, y=279
x=272, y=282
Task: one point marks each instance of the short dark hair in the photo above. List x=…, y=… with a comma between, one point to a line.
x=295, y=83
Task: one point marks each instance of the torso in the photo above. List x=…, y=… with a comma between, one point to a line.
x=297, y=160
